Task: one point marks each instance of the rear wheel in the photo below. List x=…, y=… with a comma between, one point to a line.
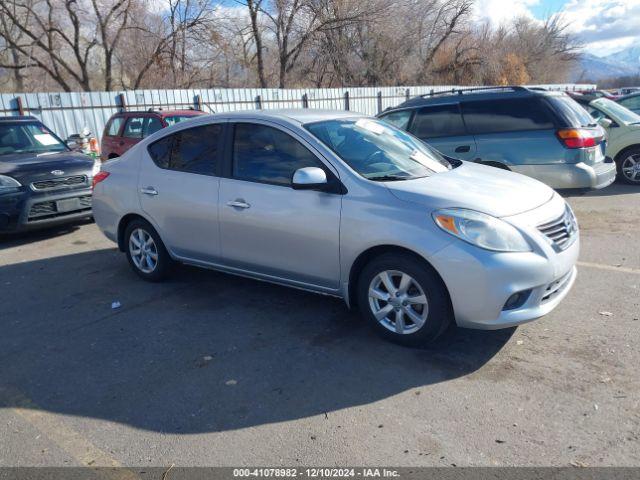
x=404, y=299
x=628, y=165
x=145, y=251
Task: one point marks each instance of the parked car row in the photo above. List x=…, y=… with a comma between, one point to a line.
x=405, y=217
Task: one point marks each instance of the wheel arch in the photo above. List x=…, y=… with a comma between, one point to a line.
x=122, y=226
x=622, y=152
x=373, y=252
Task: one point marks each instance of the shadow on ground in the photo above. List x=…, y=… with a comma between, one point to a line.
x=203, y=352
x=8, y=240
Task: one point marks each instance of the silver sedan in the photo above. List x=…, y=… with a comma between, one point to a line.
x=345, y=205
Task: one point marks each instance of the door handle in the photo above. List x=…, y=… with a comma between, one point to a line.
x=149, y=191
x=238, y=204
x=463, y=149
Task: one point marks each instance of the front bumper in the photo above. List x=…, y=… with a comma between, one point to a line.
x=22, y=211
x=571, y=175
x=480, y=282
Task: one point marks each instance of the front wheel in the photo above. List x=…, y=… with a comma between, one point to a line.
x=628, y=165
x=145, y=251
x=404, y=299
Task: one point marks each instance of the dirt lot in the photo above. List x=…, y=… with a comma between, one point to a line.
x=210, y=369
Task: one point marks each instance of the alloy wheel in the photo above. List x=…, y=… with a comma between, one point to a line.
x=631, y=168
x=143, y=250
x=398, y=302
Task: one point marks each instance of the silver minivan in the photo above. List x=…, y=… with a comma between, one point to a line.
x=345, y=205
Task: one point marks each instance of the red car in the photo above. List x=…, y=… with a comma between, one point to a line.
x=124, y=130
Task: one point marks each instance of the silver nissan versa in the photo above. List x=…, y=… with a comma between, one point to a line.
x=345, y=205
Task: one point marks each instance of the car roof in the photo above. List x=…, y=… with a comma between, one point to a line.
x=163, y=113
x=475, y=93
x=291, y=115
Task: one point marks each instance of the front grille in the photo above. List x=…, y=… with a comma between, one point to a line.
x=47, y=210
x=560, y=231
x=555, y=288
x=56, y=183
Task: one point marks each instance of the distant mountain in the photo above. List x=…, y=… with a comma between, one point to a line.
x=591, y=67
x=629, y=56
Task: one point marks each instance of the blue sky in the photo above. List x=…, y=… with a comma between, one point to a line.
x=604, y=26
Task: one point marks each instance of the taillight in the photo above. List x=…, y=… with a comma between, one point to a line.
x=99, y=177
x=580, y=137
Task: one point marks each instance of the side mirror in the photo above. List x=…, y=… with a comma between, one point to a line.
x=309, y=178
x=606, y=122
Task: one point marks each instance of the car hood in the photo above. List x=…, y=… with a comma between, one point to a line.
x=29, y=166
x=476, y=187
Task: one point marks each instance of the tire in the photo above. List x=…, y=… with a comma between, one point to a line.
x=144, y=264
x=625, y=164
x=422, y=323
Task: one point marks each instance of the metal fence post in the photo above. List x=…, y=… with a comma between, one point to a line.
x=19, y=105
x=258, y=102
x=305, y=101
x=121, y=102
x=198, y=102
x=346, y=100
x=407, y=94
x=379, y=101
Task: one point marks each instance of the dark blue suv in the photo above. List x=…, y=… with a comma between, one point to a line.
x=545, y=135
x=42, y=182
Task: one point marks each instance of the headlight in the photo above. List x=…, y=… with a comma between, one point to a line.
x=97, y=166
x=8, y=184
x=481, y=230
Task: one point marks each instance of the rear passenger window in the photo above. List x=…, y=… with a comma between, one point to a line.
x=114, y=126
x=509, y=115
x=268, y=155
x=152, y=125
x=398, y=119
x=438, y=121
x=194, y=150
x=133, y=127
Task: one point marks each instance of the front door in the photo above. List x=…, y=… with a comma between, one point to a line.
x=442, y=127
x=266, y=226
x=178, y=189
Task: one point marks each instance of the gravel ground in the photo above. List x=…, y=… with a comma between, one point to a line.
x=211, y=369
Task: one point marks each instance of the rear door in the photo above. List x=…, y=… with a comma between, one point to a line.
x=442, y=127
x=178, y=187
x=514, y=131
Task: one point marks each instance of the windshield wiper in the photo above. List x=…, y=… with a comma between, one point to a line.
x=390, y=178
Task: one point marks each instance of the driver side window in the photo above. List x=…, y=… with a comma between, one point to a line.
x=268, y=155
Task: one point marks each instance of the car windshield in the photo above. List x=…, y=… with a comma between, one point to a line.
x=173, y=119
x=28, y=137
x=378, y=151
x=622, y=114
x=572, y=112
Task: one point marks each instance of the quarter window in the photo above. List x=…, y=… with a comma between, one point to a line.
x=438, y=121
x=268, y=155
x=114, y=126
x=509, y=115
x=194, y=150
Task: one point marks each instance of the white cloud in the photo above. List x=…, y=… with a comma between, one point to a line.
x=499, y=12
x=605, y=26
